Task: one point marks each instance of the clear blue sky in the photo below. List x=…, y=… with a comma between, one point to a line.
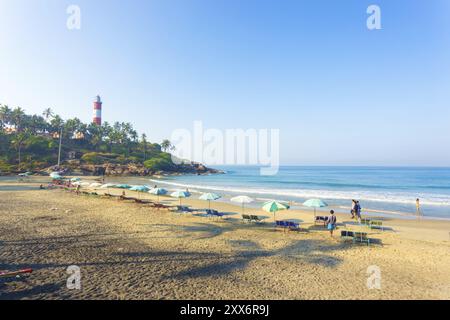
x=341, y=94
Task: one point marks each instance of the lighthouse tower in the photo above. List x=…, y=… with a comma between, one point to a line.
x=97, y=111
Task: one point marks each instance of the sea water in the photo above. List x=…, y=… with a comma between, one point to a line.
x=380, y=190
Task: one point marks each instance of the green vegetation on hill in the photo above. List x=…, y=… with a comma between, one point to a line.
x=31, y=142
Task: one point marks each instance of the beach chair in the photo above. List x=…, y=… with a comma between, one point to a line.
x=355, y=237
x=376, y=224
x=347, y=235
x=214, y=213
x=282, y=224
x=292, y=226
x=246, y=218
x=182, y=209
x=365, y=222
x=361, y=237
x=320, y=220
x=256, y=219
x=160, y=206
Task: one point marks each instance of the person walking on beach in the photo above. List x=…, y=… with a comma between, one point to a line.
x=358, y=211
x=353, y=208
x=331, y=221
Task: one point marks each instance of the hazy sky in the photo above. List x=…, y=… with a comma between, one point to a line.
x=340, y=94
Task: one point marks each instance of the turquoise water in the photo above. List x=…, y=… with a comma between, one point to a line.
x=383, y=190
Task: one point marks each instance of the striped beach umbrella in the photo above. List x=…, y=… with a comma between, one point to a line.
x=274, y=207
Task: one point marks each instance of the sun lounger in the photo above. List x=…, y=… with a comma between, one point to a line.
x=256, y=219
x=160, y=206
x=320, y=220
x=376, y=224
x=123, y=198
x=360, y=237
x=293, y=226
x=283, y=225
x=246, y=218
x=182, y=209
x=214, y=213
x=365, y=222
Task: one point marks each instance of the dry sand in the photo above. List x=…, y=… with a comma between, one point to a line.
x=130, y=251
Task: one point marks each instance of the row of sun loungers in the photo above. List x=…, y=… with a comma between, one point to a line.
x=288, y=225
x=373, y=224
x=251, y=218
x=355, y=237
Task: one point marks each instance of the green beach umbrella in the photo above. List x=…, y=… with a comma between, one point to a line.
x=242, y=200
x=274, y=206
x=180, y=195
x=315, y=203
x=209, y=197
x=122, y=186
x=158, y=192
x=140, y=189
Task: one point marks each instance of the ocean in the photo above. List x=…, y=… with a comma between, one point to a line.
x=380, y=190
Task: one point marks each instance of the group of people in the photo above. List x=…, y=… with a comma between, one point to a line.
x=332, y=220
x=356, y=210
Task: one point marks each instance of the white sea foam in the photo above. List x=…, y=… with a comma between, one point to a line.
x=382, y=197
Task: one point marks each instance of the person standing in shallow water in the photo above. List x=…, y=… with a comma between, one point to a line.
x=418, y=209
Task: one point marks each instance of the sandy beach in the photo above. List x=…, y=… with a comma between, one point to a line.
x=132, y=251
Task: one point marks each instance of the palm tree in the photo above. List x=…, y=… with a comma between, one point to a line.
x=144, y=144
x=5, y=115
x=166, y=145
x=18, y=143
x=47, y=113
x=17, y=117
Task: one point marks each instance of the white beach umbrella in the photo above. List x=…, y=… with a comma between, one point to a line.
x=180, y=195
x=242, y=200
x=95, y=185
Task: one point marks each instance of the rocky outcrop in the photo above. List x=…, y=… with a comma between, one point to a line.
x=75, y=167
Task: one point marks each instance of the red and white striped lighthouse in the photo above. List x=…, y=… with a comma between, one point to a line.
x=97, y=111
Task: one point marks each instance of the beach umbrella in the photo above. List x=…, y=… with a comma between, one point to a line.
x=209, y=197
x=158, y=192
x=140, y=189
x=57, y=177
x=315, y=203
x=107, y=186
x=122, y=186
x=180, y=195
x=242, y=200
x=55, y=174
x=274, y=206
x=95, y=185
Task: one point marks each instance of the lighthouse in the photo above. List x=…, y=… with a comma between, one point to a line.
x=97, y=111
